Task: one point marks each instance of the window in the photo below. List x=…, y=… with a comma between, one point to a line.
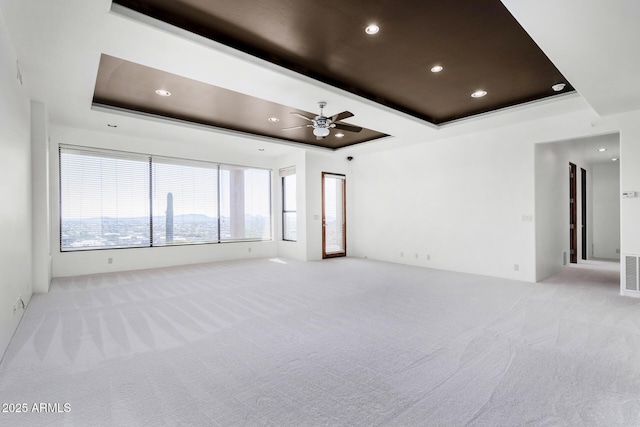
x=104, y=200
x=185, y=202
x=289, y=213
x=245, y=203
x=121, y=200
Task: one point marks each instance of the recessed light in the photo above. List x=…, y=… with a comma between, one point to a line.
x=479, y=94
x=602, y=149
x=437, y=68
x=163, y=92
x=273, y=119
x=339, y=135
x=558, y=87
x=112, y=126
x=615, y=159
x=372, y=29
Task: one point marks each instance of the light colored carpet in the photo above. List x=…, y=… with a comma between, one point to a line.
x=337, y=342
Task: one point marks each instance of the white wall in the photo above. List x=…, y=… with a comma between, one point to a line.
x=41, y=220
x=552, y=206
x=456, y=204
x=88, y=262
x=15, y=191
x=629, y=125
x=606, y=211
x=552, y=231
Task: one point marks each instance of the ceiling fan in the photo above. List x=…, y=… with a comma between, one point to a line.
x=321, y=124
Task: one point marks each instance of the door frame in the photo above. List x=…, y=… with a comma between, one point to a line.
x=344, y=219
x=583, y=215
x=573, y=214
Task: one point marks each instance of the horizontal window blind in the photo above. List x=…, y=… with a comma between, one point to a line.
x=104, y=200
x=110, y=199
x=185, y=202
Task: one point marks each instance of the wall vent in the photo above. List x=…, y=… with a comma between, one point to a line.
x=630, y=285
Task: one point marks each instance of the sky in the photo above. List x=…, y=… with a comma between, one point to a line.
x=101, y=186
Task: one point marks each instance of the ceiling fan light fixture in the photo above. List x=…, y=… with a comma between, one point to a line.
x=339, y=135
x=163, y=92
x=321, y=132
x=372, y=29
x=437, y=68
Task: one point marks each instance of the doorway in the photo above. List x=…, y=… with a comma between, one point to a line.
x=573, y=214
x=334, y=227
x=594, y=212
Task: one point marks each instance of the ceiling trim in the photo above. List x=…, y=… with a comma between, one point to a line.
x=511, y=109
x=125, y=112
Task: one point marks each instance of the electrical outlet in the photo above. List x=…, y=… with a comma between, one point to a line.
x=428, y=257
x=109, y=260
x=516, y=267
x=249, y=250
x=401, y=254
x=617, y=251
x=416, y=256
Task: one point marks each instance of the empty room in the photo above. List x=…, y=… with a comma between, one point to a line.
x=417, y=213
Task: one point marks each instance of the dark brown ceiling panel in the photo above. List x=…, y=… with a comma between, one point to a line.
x=132, y=86
x=479, y=43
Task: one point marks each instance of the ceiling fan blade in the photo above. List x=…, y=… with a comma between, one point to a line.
x=341, y=116
x=348, y=128
x=298, y=127
x=303, y=116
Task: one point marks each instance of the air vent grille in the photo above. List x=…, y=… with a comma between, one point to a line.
x=631, y=273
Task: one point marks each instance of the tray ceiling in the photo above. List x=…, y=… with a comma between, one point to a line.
x=477, y=42
x=130, y=86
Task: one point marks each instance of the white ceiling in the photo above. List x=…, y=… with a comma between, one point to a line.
x=59, y=43
x=588, y=149
x=594, y=43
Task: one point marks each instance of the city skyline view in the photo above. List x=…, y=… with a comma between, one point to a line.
x=113, y=200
